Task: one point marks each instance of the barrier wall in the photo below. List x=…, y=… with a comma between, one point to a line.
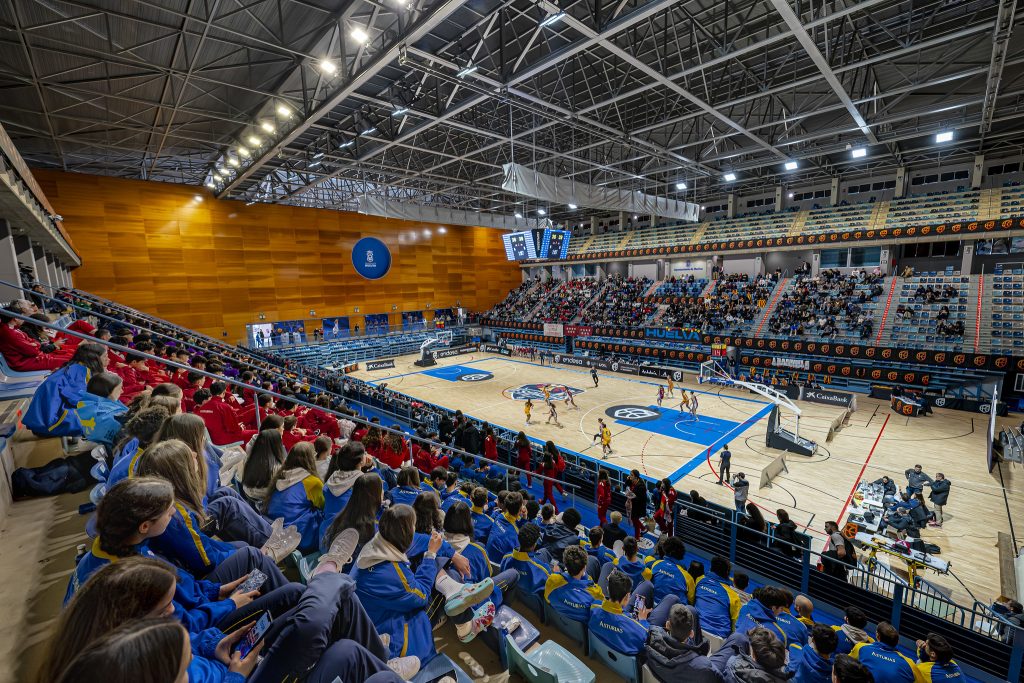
x=214, y=265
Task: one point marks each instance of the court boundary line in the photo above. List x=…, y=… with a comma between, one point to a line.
x=864, y=467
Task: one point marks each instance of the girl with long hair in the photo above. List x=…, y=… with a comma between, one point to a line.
x=361, y=512
x=52, y=409
x=524, y=456
x=458, y=533
x=664, y=514
x=556, y=457
x=143, y=651
x=296, y=494
x=408, y=487
x=136, y=511
x=396, y=596
x=266, y=455
x=344, y=469
x=549, y=470
x=184, y=542
x=137, y=433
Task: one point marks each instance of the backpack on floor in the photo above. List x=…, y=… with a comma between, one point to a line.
x=63, y=475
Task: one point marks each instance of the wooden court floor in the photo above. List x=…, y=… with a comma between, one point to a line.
x=671, y=444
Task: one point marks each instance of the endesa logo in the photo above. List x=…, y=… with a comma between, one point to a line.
x=672, y=334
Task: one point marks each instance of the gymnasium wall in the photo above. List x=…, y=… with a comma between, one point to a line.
x=214, y=265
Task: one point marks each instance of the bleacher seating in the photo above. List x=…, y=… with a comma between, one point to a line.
x=681, y=287
x=732, y=305
x=522, y=300
x=565, y=301
x=934, y=207
x=931, y=309
x=619, y=303
x=1003, y=311
x=831, y=306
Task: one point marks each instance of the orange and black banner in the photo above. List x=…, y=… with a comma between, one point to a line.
x=973, y=361
x=841, y=369
x=539, y=338
x=820, y=239
x=643, y=351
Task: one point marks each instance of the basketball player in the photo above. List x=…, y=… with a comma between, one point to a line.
x=671, y=387
x=606, y=442
x=693, y=406
x=569, y=400
x=527, y=407
x=600, y=428
x=546, y=388
x=684, y=403
x=552, y=415
x=661, y=394
x=593, y=376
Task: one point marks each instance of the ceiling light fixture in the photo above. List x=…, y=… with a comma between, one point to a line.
x=400, y=111
x=729, y=177
x=680, y=186
x=284, y=111
x=442, y=230
x=318, y=155
x=327, y=66
x=268, y=127
x=346, y=144
x=542, y=212
x=233, y=161
x=369, y=131
x=243, y=151
x=518, y=215
x=790, y=195
x=573, y=207
x=944, y=136
x=254, y=141
x=552, y=19
x=466, y=70
x=792, y=165
x=859, y=153
x=211, y=185
x=359, y=35
x=198, y=197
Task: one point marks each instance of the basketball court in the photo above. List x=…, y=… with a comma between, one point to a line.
x=664, y=442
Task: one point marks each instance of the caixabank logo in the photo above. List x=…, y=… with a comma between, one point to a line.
x=535, y=392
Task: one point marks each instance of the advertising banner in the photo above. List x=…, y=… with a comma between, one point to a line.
x=461, y=351
x=826, y=397
x=553, y=330
x=380, y=364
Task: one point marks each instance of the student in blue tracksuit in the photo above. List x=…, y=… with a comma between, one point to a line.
x=452, y=493
x=598, y=549
x=795, y=630
x=408, y=487
x=98, y=410
x=184, y=542
x=137, y=510
x=52, y=409
x=138, y=433
x=885, y=662
x=765, y=604
x=612, y=622
x=852, y=631
x=396, y=597
x=533, y=571
x=327, y=634
x=482, y=522
x=297, y=495
x=668, y=574
x=631, y=564
x=716, y=600
x=572, y=593
x=504, y=535
x=429, y=520
x=935, y=660
x=846, y=669
x=345, y=468
x=812, y=662
x=458, y=533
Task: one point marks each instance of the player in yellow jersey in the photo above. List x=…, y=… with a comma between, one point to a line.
x=671, y=386
x=527, y=407
x=606, y=441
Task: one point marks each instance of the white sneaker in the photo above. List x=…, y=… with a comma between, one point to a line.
x=483, y=617
x=405, y=667
x=469, y=595
x=282, y=542
x=342, y=547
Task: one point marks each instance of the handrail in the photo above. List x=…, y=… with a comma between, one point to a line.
x=292, y=399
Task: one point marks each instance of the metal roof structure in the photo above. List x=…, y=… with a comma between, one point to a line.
x=317, y=102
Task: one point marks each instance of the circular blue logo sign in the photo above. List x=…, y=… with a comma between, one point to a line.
x=371, y=258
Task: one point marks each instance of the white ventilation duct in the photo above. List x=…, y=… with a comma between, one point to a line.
x=441, y=215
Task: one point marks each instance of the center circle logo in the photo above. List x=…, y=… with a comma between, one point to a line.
x=535, y=392
x=371, y=258
x=632, y=413
x=475, y=377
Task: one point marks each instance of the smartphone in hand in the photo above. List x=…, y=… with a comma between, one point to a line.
x=253, y=583
x=638, y=606
x=253, y=637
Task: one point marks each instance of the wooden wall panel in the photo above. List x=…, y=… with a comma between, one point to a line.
x=215, y=265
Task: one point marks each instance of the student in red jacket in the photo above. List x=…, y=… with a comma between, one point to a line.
x=524, y=456
x=221, y=420
x=132, y=374
x=21, y=352
x=293, y=435
x=247, y=416
x=604, y=496
x=193, y=383
x=490, y=445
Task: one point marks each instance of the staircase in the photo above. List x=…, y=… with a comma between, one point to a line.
x=597, y=297
x=659, y=313
x=653, y=288
x=773, y=300
x=890, y=284
x=708, y=288
x=625, y=240
x=978, y=333
x=798, y=224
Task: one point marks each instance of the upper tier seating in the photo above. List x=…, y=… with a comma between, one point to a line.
x=566, y=300
x=1003, y=306
x=619, y=303
x=938, y=207
x=689, y=287
x=521, y=300
x=734, y=303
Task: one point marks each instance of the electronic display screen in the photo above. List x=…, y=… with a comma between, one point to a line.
x=519, y=246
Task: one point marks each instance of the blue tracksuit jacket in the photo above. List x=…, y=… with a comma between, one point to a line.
x=504, y=536
x=396, y=599
x=718, y=604
x=533, y=573
x=482, y=524
x=98, y=417
x=301, y=504
x=52, y=410
x=185, y=544
x=616, y=630
x=808, y=666
x=886, y=663
x=755, y=614
x=669, y=578
x=572, y=598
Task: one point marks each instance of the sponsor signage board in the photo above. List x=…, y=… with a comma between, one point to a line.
x=380, y=364
x=826, y=397
x=461, y=351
